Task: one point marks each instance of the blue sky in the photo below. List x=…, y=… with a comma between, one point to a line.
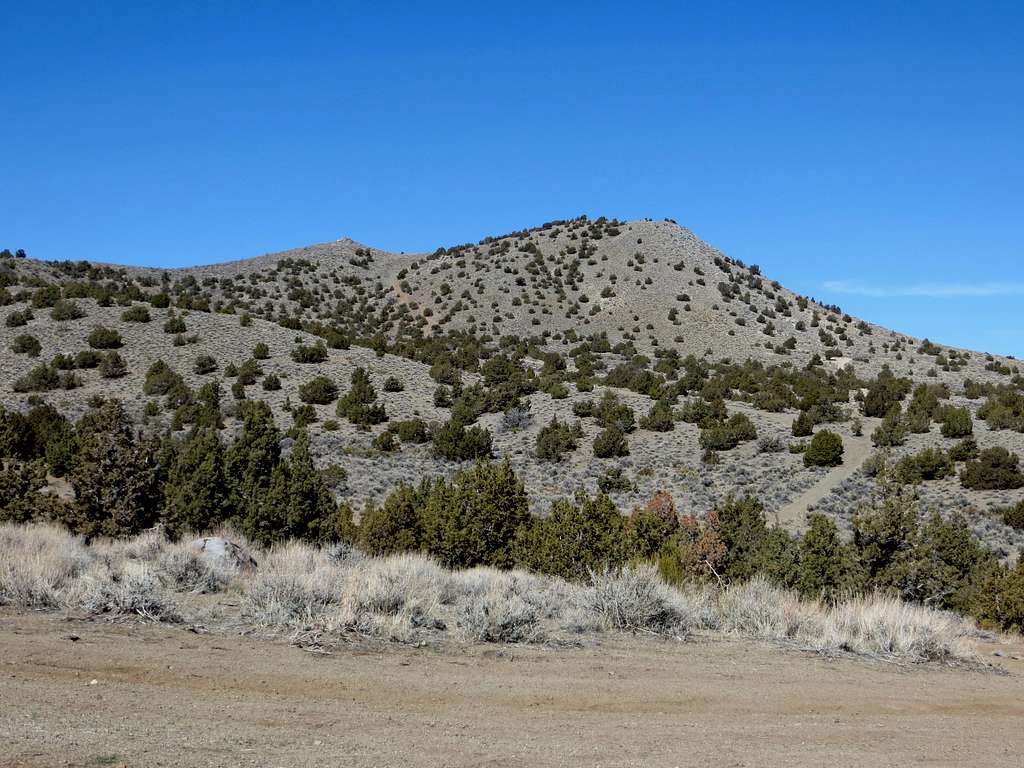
x=868, y=154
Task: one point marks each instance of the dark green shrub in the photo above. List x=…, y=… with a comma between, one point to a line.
x=175, y=324
x=803, y=424
x=609, y=412
x=160, y=379
x=995, y=469
x=112, y=366
x=929, y=464
x=204, y=364
x=575, y=539
x=455, y=442
x=614, y=480
x=702, y=412
x=118, y=491
x=965, y=450
x=25, y=344
x=104, y=338
x=320, y=391
x=957, y=423
x=659, y=418
x=891, y=432
x=42, y=378
x=386, y=442
x=136, y=313
x=18, y=319
x=1014, y=516
x=828, y=568
x=393, y=384
x=311, y=353
x=554, y=440
x=824, y=450
x=413, y=431
x=198, y=495
x=261, y=351
x=66, y=310
x=583, y=409
x=359, y=404
x=611, y=443
x=271, y=383
x=395, y=525
x=475, y=520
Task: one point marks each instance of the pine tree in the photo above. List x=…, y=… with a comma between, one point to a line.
x=116, y=477
x=474, y=520
x=197, y=493
x=253, y=457
x=826, y=564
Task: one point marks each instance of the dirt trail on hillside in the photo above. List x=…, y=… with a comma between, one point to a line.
x=165, y=697
x=793, y=516
x=408, y=299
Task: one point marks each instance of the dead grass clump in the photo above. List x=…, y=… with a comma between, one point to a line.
x=184, y=570
x=296, y=584
x=636, y=598
x=885, y=626
x=38, y=563
x=123, y=589
x=504, y=606
x=393, y=597
x=761, y=610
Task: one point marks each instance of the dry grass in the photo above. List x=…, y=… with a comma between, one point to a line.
x=409, y=598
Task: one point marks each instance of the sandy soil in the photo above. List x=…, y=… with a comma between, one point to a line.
x=163, y=696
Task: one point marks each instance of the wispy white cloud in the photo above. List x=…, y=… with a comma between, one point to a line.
x=925, y=290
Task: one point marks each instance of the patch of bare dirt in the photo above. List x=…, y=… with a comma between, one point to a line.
x=131, y=694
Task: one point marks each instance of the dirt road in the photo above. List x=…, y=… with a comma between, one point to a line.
x=793, y=516
x=165, y=697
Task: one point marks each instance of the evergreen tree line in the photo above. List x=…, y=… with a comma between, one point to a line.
x=125, y=482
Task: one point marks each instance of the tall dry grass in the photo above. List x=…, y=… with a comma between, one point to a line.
x=410, y=598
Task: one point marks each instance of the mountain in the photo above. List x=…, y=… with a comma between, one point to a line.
x=643, y=309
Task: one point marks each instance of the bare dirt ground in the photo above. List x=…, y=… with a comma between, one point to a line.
x=166, y=697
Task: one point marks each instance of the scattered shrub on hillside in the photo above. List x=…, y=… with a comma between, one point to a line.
x=66, y=310
x=320, y=391
x=957, y=423
x=556, y=439
x=359, y=404
x=995, y=469
x=204, y=364
x=18, y=319
x=965, y=450
x=891, y=432
x=659, y=418
x=929, y=464
x=310, y=353
x=611, y=443
x=104, y=338
x=112, y=366
x=824, y=450
x=175, y=324
x=455, y=442
x=25, y=344
x=136, y=313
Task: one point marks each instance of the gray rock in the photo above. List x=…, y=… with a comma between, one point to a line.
x=222, y=552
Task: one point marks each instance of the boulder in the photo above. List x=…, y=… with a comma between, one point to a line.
x=223, y=552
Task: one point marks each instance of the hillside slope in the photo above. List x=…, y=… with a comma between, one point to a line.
x=582, y=306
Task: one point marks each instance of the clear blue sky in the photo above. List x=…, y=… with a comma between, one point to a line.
x=870, y=155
